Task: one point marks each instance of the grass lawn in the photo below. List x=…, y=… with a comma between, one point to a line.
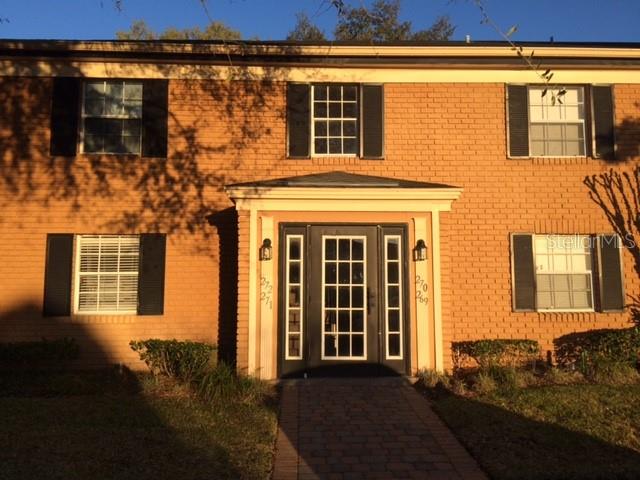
x=108, y=425
x=549, y=432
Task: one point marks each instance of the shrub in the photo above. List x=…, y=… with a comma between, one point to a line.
x=184, y=361
x=498, y=352
x=614, y=374
x=431, y=378
x=222, y=383
x=506, y=379
x=596, y=352
x=38, y=354
x=458, y=386
x=484, y=383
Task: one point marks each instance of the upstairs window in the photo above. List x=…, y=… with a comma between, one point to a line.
x=112, y=117
x=557, y=130
x=335, y=119
x=108, y=116
x=581, y=124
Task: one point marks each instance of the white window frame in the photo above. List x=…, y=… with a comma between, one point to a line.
x=350, y=309
x=300, y=308
x=590, y=272
x=357, y=118
x=77, y=274
x=400, y=286
x=546, y=100
x=84, y=115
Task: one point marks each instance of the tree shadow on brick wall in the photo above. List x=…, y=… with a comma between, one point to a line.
x=231, y=108
x=627, y=138
x=217, y=125
x=617, y=193
x=102, y=423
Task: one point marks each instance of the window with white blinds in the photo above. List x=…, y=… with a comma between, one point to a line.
x=107, y=273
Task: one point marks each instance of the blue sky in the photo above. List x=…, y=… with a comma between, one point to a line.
x=565, y=20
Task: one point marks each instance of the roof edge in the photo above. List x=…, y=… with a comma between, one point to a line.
x=325, y=49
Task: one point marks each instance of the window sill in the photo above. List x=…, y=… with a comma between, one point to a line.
x=109, y=154
x=102, y=318
x=109, y=313
x=351, y=159
x=583, y=160
x=568, y=310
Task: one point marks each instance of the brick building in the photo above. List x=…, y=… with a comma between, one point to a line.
x=310, y=208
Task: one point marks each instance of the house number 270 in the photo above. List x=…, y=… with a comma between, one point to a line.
x=421, y=290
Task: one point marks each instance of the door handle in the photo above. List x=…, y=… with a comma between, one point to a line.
x=371, y=299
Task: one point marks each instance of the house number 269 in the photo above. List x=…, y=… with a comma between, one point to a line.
x=421, y=290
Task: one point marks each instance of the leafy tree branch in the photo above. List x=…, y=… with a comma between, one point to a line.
x=545, y=74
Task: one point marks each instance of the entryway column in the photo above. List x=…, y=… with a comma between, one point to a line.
x=421, y=284
x=266, y=368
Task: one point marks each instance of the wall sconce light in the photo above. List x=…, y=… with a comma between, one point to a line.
x=266, y=251
x=420, y=251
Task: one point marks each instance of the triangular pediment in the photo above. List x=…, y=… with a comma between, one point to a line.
x=339, y=179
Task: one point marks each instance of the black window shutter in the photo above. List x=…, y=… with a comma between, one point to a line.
x=372, y=121
x=602, y=99
x=65, y=109
x=298, y=119
x=611, y=288
x=518, y=107
x=155, y=100
x=524, y=291
x=151, y=274
x=57, y=275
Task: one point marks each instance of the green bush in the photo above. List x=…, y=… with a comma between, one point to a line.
x=431, y=378
x=596, y=352
x=484, y=383
x=494, y=353
x=43, y=353
x=614, y=374
x=185, y=361
x=458, y=386
x=506, y=379
x=222, y=384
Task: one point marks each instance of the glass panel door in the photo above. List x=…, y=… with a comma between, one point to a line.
x=344, y=309
x=342, y=300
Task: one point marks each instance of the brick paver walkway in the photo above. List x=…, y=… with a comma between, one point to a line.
x=364, y=429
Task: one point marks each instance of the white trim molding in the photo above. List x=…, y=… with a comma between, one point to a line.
x=437, y=292
x=253, y=292
x=423, y=353
x=265, y=369
x=331, y=199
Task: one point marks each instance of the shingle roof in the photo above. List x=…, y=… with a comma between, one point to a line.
x=340, y=180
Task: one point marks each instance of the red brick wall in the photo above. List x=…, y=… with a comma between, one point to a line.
x=222, y=133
